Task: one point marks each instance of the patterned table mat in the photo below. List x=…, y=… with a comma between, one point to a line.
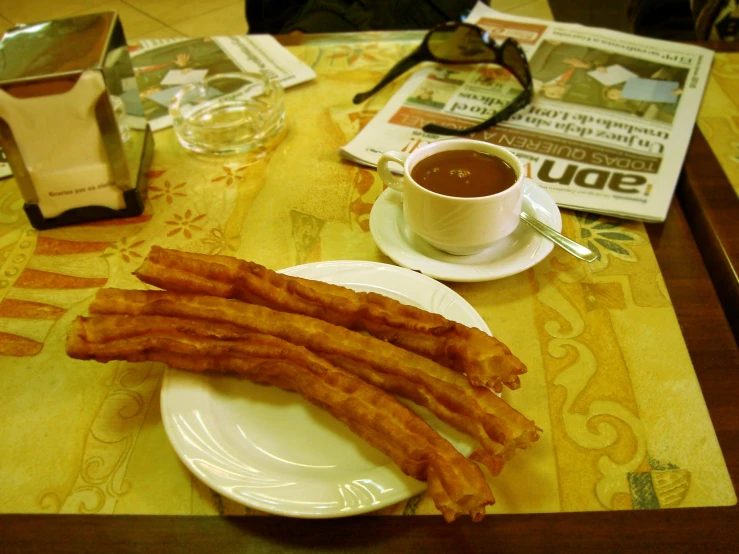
x=610, y=380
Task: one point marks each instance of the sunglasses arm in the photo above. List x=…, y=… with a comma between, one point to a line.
x=397, y=70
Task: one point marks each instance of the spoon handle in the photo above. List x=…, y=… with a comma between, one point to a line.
x=574, y=248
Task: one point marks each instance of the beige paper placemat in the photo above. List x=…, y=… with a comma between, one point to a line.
x=610, y=380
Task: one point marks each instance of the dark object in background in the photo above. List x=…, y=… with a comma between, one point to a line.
x=716, y=19
x=269, y=16
x=330, y=16
x=610, y=14
x=685, y=19
x=663, y=19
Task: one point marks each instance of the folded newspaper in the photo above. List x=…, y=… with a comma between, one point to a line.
x=163, y=66
x=606, y=132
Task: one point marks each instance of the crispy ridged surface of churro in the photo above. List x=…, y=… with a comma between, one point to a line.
x=485, y=360
x=498, y=428
x=456, y=484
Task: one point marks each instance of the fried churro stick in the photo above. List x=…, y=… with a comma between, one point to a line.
x=456, y=485
x=484, y=359
x=476, y=411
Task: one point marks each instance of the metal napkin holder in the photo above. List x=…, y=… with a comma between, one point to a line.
x=71, y=120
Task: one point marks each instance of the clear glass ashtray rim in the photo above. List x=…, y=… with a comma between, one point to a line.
x=274, y=117
x=245, y=77
x=262, y=143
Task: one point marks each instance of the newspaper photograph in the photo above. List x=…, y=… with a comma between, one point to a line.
x=608, y=126
x=163, y=66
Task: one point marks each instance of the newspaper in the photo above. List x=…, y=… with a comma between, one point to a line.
x=606, y=132
x=163, y=66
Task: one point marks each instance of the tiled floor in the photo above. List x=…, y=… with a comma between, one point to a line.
x=175, y=18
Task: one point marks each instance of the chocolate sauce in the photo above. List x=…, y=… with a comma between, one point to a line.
x=464, y=173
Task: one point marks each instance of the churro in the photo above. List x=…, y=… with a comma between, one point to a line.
x=498, y=428
x=483, y=359
x=456, y=485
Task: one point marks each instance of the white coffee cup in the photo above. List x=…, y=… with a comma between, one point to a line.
x=460, y=226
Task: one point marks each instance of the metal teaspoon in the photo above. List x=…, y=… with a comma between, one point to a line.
x=568, y=245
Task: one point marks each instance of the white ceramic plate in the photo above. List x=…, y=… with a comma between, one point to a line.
x=271, y=450
x=517, y=252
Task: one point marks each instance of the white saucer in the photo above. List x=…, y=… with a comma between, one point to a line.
x=517, y=252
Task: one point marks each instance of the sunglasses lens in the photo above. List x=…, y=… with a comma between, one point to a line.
x=514, y=60
x=459, y=44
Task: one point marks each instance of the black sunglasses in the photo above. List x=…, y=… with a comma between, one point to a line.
x=462, y=43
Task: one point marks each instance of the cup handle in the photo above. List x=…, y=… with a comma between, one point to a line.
x=387, y=176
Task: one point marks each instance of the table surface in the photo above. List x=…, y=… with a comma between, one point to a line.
x=711, y=201
x=715, y=358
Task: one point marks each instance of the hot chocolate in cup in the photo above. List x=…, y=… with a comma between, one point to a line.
x=459, y=195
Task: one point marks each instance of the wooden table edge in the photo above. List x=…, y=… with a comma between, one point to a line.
x=712, y=349
x=676, y=531
x=711, y=207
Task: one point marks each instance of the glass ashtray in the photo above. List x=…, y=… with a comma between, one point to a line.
x=229, y=113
